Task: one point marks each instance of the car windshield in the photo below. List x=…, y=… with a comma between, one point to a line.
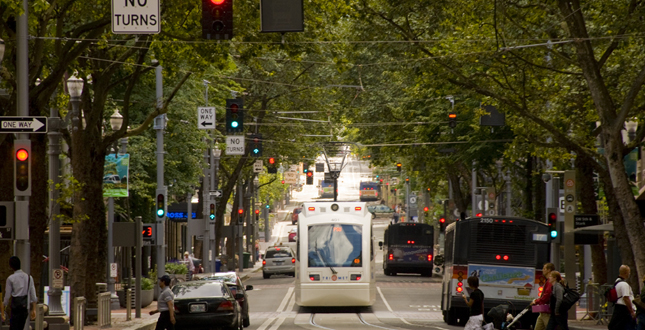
x=335, y=245
x=199, y=290
x=228, y=278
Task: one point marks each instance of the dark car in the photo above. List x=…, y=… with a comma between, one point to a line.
x=294, y=215
x=206, y=304
x=235, y=285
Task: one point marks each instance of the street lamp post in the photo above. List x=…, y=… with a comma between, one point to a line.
x=116, y=120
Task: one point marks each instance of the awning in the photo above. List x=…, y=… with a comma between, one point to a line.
x=595, y=229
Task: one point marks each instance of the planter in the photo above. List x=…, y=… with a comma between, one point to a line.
x=146, y=298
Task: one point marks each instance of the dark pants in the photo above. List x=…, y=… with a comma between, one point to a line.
x=621, y=319
x=558, y=322
x=163, y=322
x=18, y=319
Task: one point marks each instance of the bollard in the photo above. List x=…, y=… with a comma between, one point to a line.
x=104, y=311
x=40, y=317
x=128, y=305
x=79, y=313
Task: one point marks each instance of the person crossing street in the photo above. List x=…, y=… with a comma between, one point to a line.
x=165, y=306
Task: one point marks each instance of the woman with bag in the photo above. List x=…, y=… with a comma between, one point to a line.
x=558, y=318
x=542, y=303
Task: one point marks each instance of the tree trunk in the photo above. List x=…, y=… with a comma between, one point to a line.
x=588, y=201
x=89, y=235
x=528, y=189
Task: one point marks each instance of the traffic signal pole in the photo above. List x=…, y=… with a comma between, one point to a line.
x=160, y=124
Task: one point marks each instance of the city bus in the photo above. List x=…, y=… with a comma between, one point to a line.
x=369, y=191
x=335, y=255
x=408, y=248
x=506, y=253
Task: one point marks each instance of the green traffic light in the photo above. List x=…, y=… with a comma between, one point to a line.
x=267, y=206
x=212, y=216
x=256, y=150
x=554, y=234
x=234, y=124
x=160, y=212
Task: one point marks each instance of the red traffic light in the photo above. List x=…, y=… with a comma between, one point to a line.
x=257, y=211
x=234, y=106
x=218, y=2
x=381, y=181
x=271, y=160
x=452, y=115
x=240, y=211
x=552, y=218
x=22, y=155
x=310, y=174
x=426, y=209
x=282, y=181
x=442, y=220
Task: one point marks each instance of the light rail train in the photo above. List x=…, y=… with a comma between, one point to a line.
x=335, y=255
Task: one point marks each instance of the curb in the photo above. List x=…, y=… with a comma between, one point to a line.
x=147, y=325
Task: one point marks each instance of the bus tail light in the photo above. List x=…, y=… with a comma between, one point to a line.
x=358, y=208
x=460, y=284
x=355, y=277
x=460, y=289
x=314, y=277
x=430, y=257
x=390, y=257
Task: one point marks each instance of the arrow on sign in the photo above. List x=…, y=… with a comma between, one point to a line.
x=206, y=124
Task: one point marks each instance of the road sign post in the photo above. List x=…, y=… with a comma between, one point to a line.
x=23, y=125
x=570, y=205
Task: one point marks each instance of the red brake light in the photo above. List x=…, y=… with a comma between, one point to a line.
x=226, y=306
x=459, y=289
x=264, y=262
x=391, y=256
x=505, y=257
x=311, y=208
x=293, y=260
x=498, y=257
x=429, y=257
x=358, y=278
x=277, y=249
x=358, y=208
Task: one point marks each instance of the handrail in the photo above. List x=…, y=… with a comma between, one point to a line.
x=79, y=312
x=104, y=310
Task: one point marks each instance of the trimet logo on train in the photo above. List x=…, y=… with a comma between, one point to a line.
x=135, y=16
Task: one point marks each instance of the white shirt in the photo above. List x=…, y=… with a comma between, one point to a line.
x=190, y=263
x=624, y=290
x=17, y=286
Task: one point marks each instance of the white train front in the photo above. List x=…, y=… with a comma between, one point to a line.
x=335, y=255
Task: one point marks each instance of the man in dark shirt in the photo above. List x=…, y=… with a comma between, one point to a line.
x=476, y=304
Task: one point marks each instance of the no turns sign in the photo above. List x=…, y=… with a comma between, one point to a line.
x=135, y=17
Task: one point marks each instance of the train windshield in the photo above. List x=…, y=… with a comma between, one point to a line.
x=335, y=245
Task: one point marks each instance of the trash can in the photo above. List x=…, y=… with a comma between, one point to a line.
x=246, y=257
x=218, y=265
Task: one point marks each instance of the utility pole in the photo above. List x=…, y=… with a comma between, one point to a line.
x=159, y=126
x=267, y=234
x=240, y=225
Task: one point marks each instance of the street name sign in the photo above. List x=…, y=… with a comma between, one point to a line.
x=206, y=117
x=290, y=177
x=257, y=166
x=235, y=145
x=135, y=17
x=23, y=124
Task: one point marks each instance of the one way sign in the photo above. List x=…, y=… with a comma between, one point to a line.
x=206, y=117
x=23, y=124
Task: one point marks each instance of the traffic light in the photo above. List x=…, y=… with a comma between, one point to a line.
x=256, y=145
x=282, y=181
x=161, y=204
x=442, y=224
x=240, y=211
x=271, y=167
x=552, y=221
x=425, y=212
x=234, y=113
x=217, y=19
x=407, y=180
x=310, y=177
x=398, y=167
x=22, y=167
x=452, y=120
x=212, y=211
x=305, y=167
x=257, y=215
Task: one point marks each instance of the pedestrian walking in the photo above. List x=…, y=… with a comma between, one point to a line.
x=640, y=309
x=165, y=306
x=545, y=298
x=624, y=315
x=558, y=319
x=476, y=304
x=190, y=263
x=22, y=293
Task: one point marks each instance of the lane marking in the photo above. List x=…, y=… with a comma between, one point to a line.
x=392, y=311
x=268, y=321
x=281, y=319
